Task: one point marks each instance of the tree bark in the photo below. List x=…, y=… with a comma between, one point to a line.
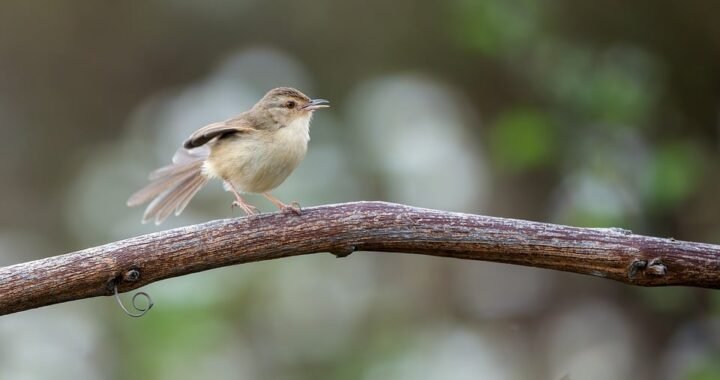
x=341, y=229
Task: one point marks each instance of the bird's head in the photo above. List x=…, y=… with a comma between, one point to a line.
x=286, y=105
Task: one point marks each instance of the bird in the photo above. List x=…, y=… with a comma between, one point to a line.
x=253, y=152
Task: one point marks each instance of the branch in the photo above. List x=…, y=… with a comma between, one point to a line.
x=361, y=226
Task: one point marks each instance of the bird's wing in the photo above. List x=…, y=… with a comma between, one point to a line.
x=211, y=131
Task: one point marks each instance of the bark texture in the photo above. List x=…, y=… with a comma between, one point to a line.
x=341, y=229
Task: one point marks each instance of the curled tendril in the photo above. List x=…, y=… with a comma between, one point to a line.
x=142, y=310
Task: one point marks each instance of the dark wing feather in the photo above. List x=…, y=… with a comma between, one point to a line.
x=211, y=131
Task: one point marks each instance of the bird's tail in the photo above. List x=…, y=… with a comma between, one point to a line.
x=171, y=187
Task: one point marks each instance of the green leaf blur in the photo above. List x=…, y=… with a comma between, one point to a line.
x=523, y=139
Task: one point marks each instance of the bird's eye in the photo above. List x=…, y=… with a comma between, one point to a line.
x=290, y=104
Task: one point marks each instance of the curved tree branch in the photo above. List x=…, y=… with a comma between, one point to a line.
x=361, y=226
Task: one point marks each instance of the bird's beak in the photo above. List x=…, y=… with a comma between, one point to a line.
x=316, y=104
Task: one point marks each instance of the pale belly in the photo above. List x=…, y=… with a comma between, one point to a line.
x=257, y=165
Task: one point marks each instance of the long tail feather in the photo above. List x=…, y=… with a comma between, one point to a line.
x=157, y=186
x=170, y=189
x=192, y=189
x=164, y=205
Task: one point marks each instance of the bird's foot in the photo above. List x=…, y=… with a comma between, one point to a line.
x=247, y=208
x=293, y=208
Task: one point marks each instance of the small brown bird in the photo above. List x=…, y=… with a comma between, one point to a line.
x=253, y=152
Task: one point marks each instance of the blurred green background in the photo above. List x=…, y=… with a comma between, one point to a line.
x=578, y=112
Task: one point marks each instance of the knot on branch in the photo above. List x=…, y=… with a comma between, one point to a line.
x=131, y=275
x=343, y=251
x=654, y=267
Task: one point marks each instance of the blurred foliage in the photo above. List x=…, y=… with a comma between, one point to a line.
x=587, y=113
x=523, y=139
x=495, y=27
x=676, y=173
x=709, y=370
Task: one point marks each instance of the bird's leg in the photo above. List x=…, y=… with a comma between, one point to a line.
x=240, y=202
x=246, y=207
x=294, y=207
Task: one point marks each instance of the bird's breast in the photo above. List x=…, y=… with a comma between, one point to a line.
x=260, y=162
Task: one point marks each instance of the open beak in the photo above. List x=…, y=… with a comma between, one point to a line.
x=316, y=104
